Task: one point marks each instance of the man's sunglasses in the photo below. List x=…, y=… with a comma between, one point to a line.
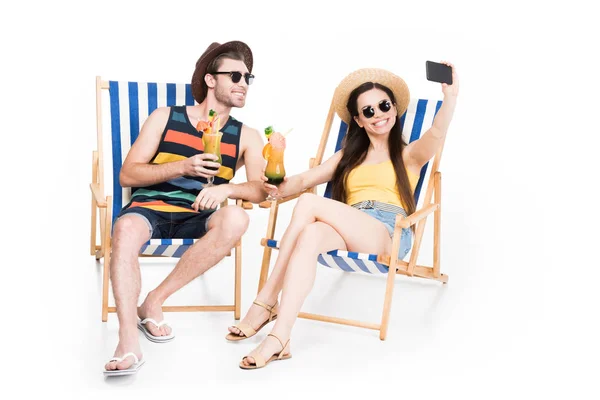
x=236, y=76
x=384, y=106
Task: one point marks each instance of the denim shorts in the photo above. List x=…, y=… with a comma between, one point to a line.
x=389, y=220
x=171, y=225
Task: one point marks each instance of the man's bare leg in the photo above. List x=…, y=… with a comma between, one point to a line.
x=225, y=228
x=129, y=234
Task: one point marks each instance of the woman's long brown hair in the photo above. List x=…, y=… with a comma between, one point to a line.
x=355, y=147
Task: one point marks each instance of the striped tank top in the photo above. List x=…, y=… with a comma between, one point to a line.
x=181, y=140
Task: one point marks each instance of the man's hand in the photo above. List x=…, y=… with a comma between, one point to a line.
x=200, y=165
x=211, y=197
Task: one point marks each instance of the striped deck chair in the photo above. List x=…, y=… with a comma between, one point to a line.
x=416, y=120
x=130, y=103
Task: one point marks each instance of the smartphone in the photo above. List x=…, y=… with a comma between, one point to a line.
x=437, y=72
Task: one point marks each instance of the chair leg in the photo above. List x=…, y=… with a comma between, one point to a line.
x=414, y=254
x=107, y=254
x=437, y=219
x=387, y=303
x=238, y=280
x=266, y=261
x=389, y=286
x=100, y=253
x=94, y=204
x=93, y=227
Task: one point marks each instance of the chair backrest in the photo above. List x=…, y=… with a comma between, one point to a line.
x=130, y=104
x=417, y=119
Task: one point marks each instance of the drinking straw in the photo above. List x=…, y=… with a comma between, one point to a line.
x=285, y=134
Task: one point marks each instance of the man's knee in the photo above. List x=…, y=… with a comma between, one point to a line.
x=232, y=220
x=130, y=229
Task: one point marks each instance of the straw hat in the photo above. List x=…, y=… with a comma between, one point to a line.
x=376, y=75
x=198, y=85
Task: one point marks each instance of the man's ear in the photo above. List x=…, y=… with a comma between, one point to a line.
x=358, y=123
x=210, y=80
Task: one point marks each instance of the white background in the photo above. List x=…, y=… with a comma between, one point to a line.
x=520, y=222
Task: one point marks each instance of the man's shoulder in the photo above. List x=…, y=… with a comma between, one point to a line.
x=161, y=113
x=250, y=137
x=249, y=130
x=157, y=119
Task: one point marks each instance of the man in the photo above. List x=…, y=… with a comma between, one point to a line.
x=167, y=173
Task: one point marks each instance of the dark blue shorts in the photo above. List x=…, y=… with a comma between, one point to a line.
x=172, y=225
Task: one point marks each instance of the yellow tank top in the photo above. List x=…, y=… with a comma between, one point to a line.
x=376, y=182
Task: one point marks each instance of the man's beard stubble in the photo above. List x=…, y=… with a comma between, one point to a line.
x=223, y=97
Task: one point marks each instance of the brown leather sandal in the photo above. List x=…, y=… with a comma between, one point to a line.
x=260, y=362
x=247, y=330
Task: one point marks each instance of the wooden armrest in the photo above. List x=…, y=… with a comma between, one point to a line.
x=246, y=205
x=416, y=216
x=267, y=203
x=100, y=200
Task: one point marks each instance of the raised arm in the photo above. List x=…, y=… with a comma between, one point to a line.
x=420, y=151
x=137, y=170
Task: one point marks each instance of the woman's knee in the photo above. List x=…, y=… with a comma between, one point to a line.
x=311, y=236
x=306, y=202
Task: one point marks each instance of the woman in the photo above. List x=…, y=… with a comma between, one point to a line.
x=373, y=176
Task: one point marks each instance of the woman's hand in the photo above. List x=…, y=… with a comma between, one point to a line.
x=450, y=90
x=289, y=186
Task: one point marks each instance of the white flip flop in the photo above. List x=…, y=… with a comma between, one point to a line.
x=156, y=339
x=133, y=369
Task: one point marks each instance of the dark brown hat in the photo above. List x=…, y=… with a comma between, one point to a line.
x=198, y=85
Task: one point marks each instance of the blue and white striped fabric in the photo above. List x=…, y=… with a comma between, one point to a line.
x=167, y=247
x=417, y=119
x=347, y=261
x=130, y=105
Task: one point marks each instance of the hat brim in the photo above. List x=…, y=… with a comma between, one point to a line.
x=376, y=75
x=198, y=85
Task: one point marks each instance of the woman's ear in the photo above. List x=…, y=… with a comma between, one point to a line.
x=357, y=123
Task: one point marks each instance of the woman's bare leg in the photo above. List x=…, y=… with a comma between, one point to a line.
x=334, y=226
x=311, y=208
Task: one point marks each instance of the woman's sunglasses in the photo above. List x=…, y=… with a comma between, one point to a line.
x=384, y=106
x=236, y=76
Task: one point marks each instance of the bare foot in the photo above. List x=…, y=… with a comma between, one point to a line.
x=125, y=346
x=255, y=317
x=151, y=309
x=269, y=347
